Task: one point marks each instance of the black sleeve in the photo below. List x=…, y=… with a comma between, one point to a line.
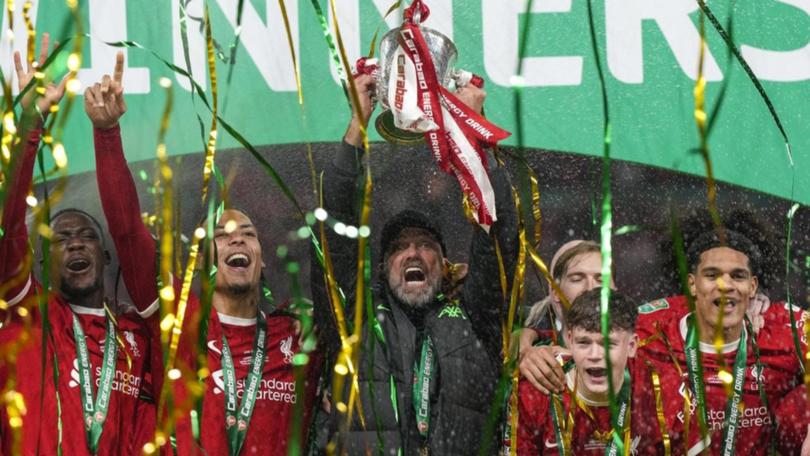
x=340, y=188
x=482, y=295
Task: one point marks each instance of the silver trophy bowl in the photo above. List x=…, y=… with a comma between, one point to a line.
x=444, y=54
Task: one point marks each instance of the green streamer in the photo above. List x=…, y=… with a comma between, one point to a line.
x=330, y=44
x=683, y=273
x=721, y=94
x=748, y=71
x=793, y=329
x=606, y=231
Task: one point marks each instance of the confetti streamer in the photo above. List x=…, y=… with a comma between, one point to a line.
x=748, y=71
x=793, y=329
x=605, y=238
x=211, y=146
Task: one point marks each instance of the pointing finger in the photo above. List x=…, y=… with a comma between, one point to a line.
x=43, y=48
x=118, y=73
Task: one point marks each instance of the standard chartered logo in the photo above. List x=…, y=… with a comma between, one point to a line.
x=270, y=389
x=123, y=382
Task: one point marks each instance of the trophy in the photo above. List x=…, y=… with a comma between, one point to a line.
x=443, y=53
x=415, y=83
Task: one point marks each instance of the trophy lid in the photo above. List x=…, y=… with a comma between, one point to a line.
x=442, y=51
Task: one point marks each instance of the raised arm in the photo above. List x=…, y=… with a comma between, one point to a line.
x=104, y=104
x=14, y=240
x=340, y=189
x=482, y=294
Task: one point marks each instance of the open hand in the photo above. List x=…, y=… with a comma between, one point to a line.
x=757, y=307
x=53, y=92
x=365, y=85
x=540, y=367
x=104, y=101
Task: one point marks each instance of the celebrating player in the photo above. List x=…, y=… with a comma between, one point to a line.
x=83, y=397
x=249, y=350
x=759, y=369
x=579, y=422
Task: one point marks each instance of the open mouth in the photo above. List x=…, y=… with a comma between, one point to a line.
x=78, y=265
x=238, y=260
x=596, y=372
x=729, y=303
x=414, y=275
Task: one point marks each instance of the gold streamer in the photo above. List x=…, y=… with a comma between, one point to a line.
x=166, y=293
x=344, y=365
x=29, y=27
x=372, y=48
x=211, y=147
x=355, y=98
x=296, y=68
x=298, y=84
x=806, y=325
x=536, y=213
x=659, y=410
x=700, y=119
x=176, y=332
x=538, y=262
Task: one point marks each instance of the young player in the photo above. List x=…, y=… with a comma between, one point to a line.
x=722, y=283
x=576, y=268
x=580, y=417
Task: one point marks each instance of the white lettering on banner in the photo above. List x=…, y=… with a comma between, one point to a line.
x=196, y=43
x=782, y=66
x=267, y=44
x=108, y=22
x=623, y=23
x=20, y=41
x=348, y=12
x=500, y=32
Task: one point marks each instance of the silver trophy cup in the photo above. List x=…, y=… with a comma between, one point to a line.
x=442, y=51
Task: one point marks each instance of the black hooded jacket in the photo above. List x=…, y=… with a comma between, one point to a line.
x=467, y=336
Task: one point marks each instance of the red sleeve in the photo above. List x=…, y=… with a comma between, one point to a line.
x=133, y=242
x=533, y=416
x=792, y=419
x=14, y=241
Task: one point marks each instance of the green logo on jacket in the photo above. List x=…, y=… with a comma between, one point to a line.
x=452, y=311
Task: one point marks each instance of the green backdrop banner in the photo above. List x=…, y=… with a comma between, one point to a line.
x=649, y=47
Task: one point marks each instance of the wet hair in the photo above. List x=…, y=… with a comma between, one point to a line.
x=709, y=240
x=585, y=312
x=73, y=210
x=565, y=258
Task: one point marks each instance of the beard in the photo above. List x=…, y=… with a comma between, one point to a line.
x=71, y=291
x=240, y=288
x=416, y=299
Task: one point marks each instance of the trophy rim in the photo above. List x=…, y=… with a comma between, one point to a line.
x=423, y=27
x=384, y=124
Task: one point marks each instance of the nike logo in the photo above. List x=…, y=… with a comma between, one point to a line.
x=551, y=444
x=213, y=347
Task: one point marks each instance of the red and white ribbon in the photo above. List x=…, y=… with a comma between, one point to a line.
x=454, y=132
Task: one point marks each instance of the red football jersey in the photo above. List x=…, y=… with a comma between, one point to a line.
x=664, y=321
x=592, y=428
x=40, y=433
x=271, y=420
x=277, y=394
x=40, y=428
x=792, y=419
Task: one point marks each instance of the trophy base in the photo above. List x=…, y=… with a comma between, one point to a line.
x=386, y=128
